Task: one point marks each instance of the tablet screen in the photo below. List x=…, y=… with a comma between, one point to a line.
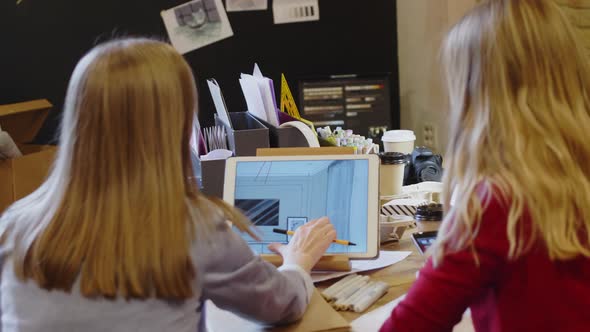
x=424, y=240
x=289, y=193
x=425, y=243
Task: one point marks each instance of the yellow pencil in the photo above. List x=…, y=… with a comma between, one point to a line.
x=284, y=231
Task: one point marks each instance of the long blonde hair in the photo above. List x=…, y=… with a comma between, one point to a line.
x=519, y=86
x=120, y=208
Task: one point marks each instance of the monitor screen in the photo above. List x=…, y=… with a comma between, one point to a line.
x=287, y=194
x=361, y=103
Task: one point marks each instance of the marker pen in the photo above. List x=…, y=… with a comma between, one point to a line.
x=371, y=297
x=337, y=286
x=336, y=296
x=354, y=286
x=332, y=293
x=339, y=304
x=356, y=296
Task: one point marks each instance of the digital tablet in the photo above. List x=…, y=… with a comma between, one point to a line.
x=423, y=240
x=285, y=192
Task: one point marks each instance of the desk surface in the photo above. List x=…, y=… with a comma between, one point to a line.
x=399, y=276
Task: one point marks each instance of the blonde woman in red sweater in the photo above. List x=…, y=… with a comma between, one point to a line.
x=515, y=244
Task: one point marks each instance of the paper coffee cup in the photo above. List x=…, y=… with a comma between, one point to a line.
x=391, y=173
x=398, y=141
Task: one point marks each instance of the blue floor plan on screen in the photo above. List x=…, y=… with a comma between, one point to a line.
x=287, y=194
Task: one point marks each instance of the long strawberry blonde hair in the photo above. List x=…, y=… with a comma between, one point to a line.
x=519, y=88
x=120, y=208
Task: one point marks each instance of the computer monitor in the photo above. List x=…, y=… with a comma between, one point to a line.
x=359, y=102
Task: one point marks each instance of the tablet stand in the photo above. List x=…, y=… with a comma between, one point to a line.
x=340, y=263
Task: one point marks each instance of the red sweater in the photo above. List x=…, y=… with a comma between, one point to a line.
x=529, y=294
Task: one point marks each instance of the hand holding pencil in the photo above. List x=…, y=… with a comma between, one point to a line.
x=286, y=232
x=308, y=244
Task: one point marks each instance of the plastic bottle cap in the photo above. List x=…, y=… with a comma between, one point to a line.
x=395, y=136
x=392, y=158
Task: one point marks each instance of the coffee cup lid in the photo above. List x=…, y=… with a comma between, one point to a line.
x=394, y=136
x=431, y=212
x=392, y=158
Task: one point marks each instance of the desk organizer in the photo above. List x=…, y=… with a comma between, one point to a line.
x=247, y=134
x=212, y=175
x=284, y=137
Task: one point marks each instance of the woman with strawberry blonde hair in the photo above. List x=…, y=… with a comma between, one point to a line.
x=119, y=238
x=515, y=243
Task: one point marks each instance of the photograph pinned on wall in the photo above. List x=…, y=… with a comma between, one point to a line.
x=294, y=11
x=196, y=24
x=245, y=5
x=262, y=212
x=295, y=222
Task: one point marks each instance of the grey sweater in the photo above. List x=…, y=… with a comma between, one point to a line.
x=227, y=273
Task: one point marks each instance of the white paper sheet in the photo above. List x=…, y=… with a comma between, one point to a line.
x=196, y=24
x=292, y=11
x=257, y=72
x=268, y=97
x=386, y=258
x=253, y=96
x=217, y=155
x=246, y=5
x=373, y=320
x=219, y=103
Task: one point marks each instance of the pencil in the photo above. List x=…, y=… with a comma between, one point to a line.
x=284, y=231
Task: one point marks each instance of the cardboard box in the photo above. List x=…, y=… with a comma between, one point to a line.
x=21, y=176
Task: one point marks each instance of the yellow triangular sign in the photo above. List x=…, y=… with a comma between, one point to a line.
x=288, y=104
x=287, y=101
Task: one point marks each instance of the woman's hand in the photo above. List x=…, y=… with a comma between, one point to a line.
x=308, y=244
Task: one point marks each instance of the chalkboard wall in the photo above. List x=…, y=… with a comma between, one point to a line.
x=43, y=39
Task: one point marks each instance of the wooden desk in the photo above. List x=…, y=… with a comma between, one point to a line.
x=399, y=276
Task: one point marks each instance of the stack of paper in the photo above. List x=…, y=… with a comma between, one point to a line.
x=260, y=97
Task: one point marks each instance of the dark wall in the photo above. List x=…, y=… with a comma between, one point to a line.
x=42, y=41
